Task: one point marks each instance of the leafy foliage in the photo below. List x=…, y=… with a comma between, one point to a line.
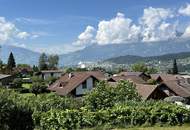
x=105, y=96
x=17, y=83
x=129, y=114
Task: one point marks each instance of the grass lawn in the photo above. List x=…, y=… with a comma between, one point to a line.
x=161, y=128
x=184, y=127
x=26, y=85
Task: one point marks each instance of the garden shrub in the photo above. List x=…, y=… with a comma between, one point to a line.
x=105, y=96
x=119, y=115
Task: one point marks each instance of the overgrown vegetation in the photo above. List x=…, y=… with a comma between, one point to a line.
x=118, y=106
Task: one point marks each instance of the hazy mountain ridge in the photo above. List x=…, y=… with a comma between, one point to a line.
x=101, y=52
x=21, y=55
x=128, y=59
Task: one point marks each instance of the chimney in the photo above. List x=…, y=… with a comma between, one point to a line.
x=71, y=75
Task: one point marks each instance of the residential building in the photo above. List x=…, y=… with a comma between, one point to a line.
x=5, y=80
x=45, y=74
x=76, y=83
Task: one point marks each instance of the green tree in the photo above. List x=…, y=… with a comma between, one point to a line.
x=38, y=87
x=139, y=67
x=17, y=83
x=100, y=98
x=35, y=68
x=43, y=62
x=11, y=62
x=104, y=96
x=175, y=68
x=152, y=70
x=53, y=61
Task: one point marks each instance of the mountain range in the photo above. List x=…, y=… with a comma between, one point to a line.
x=97, y=52
x=129, y=59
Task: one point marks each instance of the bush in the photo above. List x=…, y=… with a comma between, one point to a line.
x=17, y=83
x=38, y=88
x=105, y=96
x=118, y=116
x=13, y=116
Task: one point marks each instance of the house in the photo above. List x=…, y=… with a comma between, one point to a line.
x=24, y=70
x=76, y=83
x=146, y=91
x=150, y=92
x=133, y=78
x=163, y=77
x=45, y=74
x=142, y=75
x=177, y=88
x=5, y=80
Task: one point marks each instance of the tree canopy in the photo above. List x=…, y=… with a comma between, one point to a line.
x=11, y=62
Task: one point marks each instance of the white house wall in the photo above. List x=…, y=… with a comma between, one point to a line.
x=89, y=86
x=47, y=75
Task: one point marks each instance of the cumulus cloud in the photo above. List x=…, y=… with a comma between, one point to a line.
x=186, y=34
x=154, y=27
x=185, y=10
x=86, y=37
x=117, y=30
x=9, y=31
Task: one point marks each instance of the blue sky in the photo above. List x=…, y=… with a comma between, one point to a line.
x=50, y=23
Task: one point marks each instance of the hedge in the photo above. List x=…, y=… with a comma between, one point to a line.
x=120, y=115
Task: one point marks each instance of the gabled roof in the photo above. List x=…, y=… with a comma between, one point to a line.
x=145, y=90
x=133, y=78
x=66, y=84
x=164, y=77
x=130, y=73
x=2, y=76
x=177, y=87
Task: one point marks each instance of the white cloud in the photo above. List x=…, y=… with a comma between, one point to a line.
x=117, y=30
x=154, y=27
x=186, y=33
x=86, y=37
x=185, y=10
x=23, y=35
x=8, y=31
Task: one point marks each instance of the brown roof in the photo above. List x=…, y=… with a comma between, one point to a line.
x=145, y=90
x=130, y=73
x=133, y=78
x=178, y=87
x=164, y=77
x=65, y=85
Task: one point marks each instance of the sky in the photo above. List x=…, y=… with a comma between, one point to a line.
x=63, y=26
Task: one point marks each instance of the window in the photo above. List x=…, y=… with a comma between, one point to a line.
x=84, y=85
